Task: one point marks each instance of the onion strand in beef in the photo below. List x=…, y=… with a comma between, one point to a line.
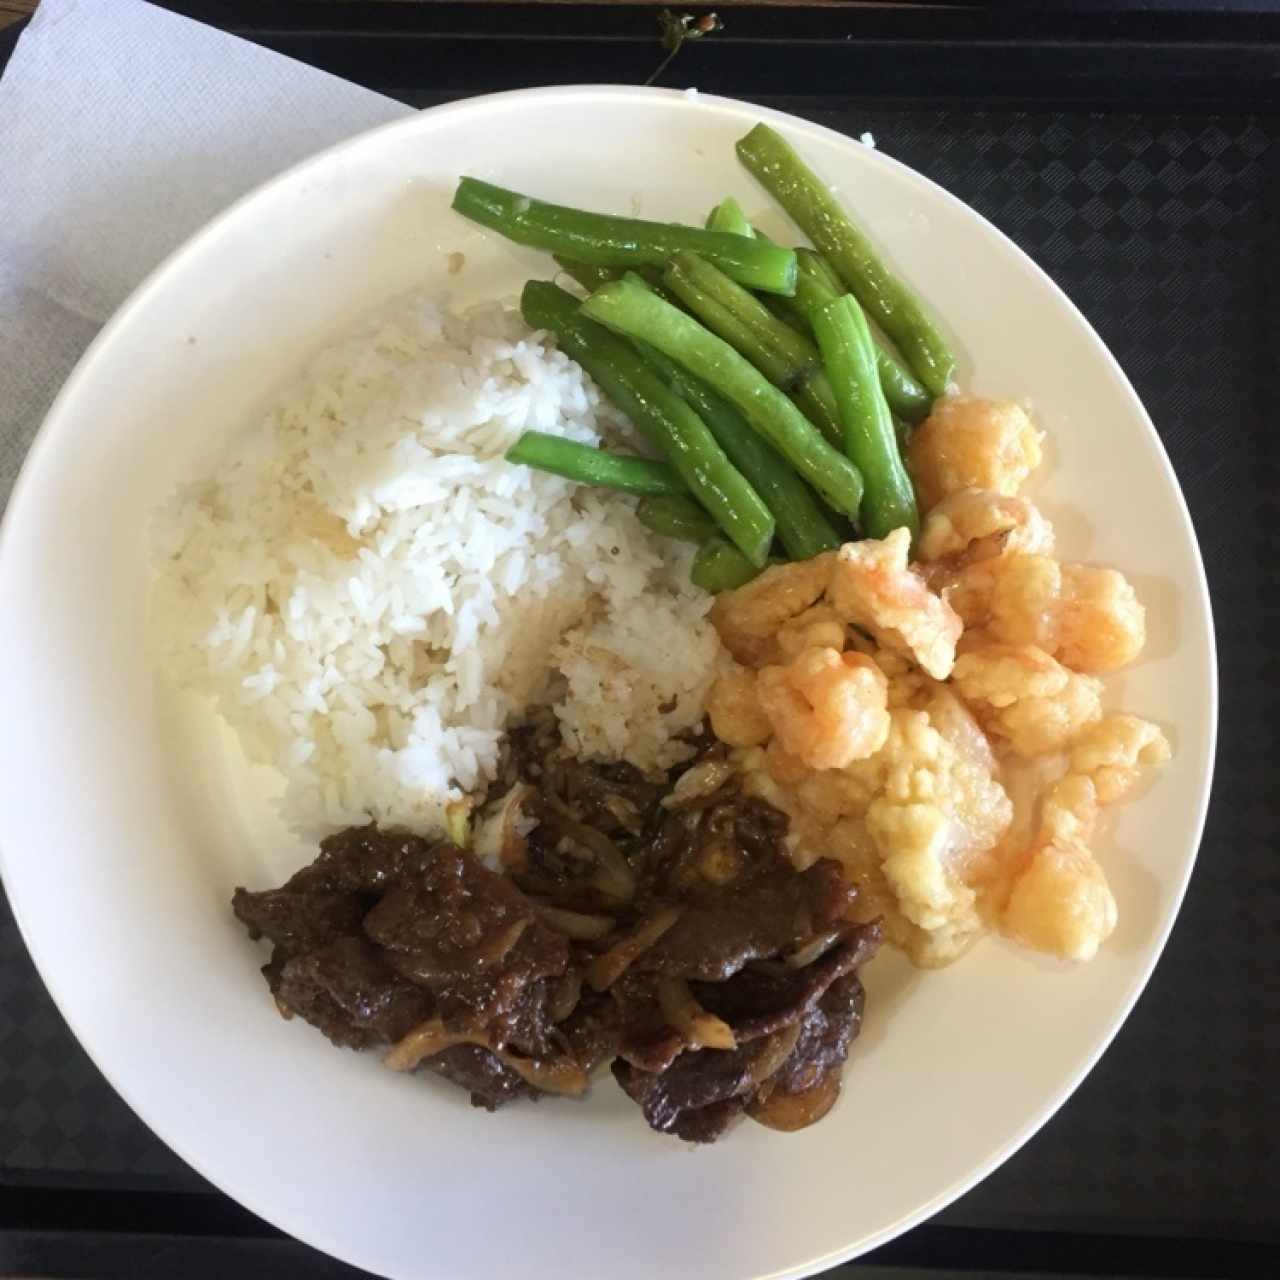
x=590, y=921
x=700, y=1028
x=578, y=925
x=551, y=1075
x=606, y=969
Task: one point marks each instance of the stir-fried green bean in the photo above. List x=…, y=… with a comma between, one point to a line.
x=809, y=201
x=675, y=517
x=657, y=411
x=630, y=309
x=787, y=358
x=591, y=275
x=728, y=216
x=720, y=566
x=604, y=240
x=803, y=528
x=849, y=352
x=588, y=465
x=816, y=285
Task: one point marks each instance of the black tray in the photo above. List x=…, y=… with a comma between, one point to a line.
x=1134, y=155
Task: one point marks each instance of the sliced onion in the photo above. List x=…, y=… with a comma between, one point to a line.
x=624, y=812
x=613, y=876
x=698, y=1026
x=699, y=783
x=774, y=1052
x=498, y=841
x=807, y=952
x=576, y=924
x=457, y=823
x=564, y=998
x=551, y=1075
x=788, y=1112
x=606, y=969
x=501, y=946
x=424, y=1041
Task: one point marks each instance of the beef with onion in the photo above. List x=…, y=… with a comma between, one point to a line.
x=598, y=916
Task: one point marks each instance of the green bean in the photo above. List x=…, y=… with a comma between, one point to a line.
x=629, y=309
x=728, y=216
x=720, y=566
x=591, y=275
x=787, y=358
x=809, y=201
x=849, y=352
x=588, y=465
x=803, y=529
x=603, y=240
x=674, y=517
x=816, y=285
x=907, y=398
x=659, y=413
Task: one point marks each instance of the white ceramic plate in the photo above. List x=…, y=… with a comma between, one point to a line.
x=126, y=820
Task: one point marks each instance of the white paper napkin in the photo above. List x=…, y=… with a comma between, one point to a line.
x=123, y=128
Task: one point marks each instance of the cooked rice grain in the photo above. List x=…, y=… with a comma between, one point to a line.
x=371, y=594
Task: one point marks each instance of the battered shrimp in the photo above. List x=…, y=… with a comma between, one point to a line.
x=872, y=587
x=968, y=443
x=1060, y=901
x=1102, y=626
x=1025, y=697
x=734, y=708
x=826, y=708
x=1113, y=753
x=817, y=627
x=1090, y=619
x=748, y=618
x=1026, y=599
x=974, y=525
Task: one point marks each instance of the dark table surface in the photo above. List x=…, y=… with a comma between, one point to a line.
x=1158, y=217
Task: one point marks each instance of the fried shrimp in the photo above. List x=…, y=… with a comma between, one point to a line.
x=969, y=443
x=874, y=588
x=826, y=708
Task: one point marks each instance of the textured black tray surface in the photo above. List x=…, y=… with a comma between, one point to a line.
x=1162, y=229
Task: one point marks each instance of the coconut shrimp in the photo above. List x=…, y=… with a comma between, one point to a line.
x=968, y=443
x=872, y=587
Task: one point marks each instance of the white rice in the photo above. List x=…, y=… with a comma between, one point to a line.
x=372, y=594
